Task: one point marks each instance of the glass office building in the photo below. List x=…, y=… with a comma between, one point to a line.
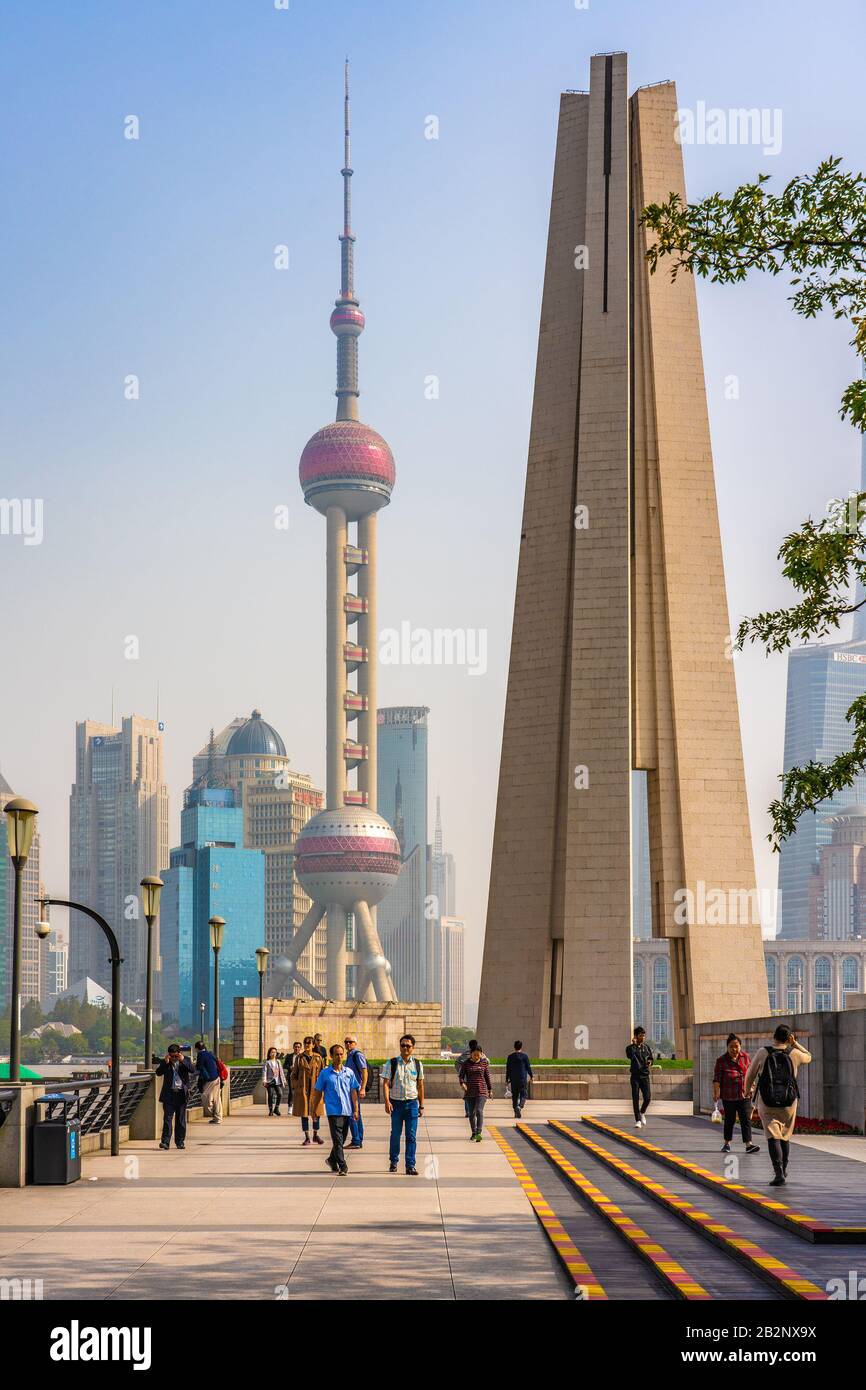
x=823, y=683
x=211, y=874
x=407, y=936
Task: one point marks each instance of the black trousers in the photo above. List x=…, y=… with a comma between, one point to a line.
x=518, y=1096
x=339, y=1127
x=741, y=1109
x=275, y=1096
x=640, y=1086
x=174, y=1111
x=779, y=1150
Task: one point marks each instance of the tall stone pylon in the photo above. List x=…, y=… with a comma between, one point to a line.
x=620, y=654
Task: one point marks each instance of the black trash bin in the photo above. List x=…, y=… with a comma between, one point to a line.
x=56, y=1140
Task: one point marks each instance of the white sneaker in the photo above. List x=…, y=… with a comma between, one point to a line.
x=643, y=1120
x=637, y=1124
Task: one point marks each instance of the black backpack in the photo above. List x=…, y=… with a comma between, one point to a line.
x=778, y=1084
x=419, y=1070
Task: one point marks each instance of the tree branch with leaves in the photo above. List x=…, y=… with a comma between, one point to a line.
x=815, y=232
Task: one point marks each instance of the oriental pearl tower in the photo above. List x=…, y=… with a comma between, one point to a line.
x=347, y=857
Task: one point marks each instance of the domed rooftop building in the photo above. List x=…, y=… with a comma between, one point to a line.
x=256, y=738
x=255, y=750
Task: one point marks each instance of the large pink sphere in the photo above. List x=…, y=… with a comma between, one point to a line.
x=347, y=464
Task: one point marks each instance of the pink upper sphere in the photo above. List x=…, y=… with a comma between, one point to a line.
x=347, y=452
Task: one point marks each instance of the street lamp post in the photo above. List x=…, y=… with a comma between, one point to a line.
x=20, y=824
x=116, y=962
x=262, y=954
x=151, y=887
x=217, y=928
x=202, y=1009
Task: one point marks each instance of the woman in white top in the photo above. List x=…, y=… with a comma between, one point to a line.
x=275, y=1079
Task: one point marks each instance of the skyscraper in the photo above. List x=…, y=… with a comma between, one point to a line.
x=406, y=931
x=211, y=873
x=618, y=655
x=347, y=857
x=453, y=978
x=31, y=889
x=118, y=833
x=823, y=683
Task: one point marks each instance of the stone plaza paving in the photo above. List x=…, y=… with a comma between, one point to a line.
x=245, y=1212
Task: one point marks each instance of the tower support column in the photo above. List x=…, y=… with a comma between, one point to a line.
x=336, y=621
x=367, y=673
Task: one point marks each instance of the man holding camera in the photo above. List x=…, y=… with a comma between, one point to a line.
x=177, y=1073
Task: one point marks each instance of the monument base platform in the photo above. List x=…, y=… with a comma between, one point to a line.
x=378, y=1027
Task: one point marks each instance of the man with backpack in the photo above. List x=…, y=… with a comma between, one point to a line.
x=403, y=1084
x=212, y=1073
x=774, y=1071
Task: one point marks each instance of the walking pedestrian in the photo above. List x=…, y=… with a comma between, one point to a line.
x=288, y=1063
x=319, y=1046
x=518, y=1074
x=339, y=1085
x=306, y=1100
x=403, y=1085
x=209, y=1083
x=358, y=1062
x=275, y=1080
x=729, y=1086
x=640, y=1058
x=461, y=1060
x=177, y=1073
x=478, y=1088
x=774, y=1071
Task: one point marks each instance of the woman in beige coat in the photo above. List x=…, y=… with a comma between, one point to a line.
x=306, y=1100
x=778, y=1064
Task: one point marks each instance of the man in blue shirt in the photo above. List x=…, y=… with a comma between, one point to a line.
x=358, y=1063
x=339, y=1086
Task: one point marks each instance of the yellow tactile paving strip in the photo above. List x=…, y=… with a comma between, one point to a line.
x=576, y=1266
x=806, y=1227
x=680, y=1283
x=772, y=1270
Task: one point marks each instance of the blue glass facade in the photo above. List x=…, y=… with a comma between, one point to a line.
x=823, y=683
x=211, y=874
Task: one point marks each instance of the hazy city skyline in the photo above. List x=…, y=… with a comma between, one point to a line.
x=159, y=262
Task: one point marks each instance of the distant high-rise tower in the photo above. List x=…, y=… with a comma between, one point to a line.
x=453, y=981
x=406, y=931
x=823, y=683
x=618, y=655
x=347, y=857
x=118, y=833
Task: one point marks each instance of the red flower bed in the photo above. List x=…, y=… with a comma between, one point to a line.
x=805, y=1125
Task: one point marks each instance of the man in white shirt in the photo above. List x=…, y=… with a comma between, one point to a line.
x=403, y=1082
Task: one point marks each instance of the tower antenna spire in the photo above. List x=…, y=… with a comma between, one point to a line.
x=347, y=321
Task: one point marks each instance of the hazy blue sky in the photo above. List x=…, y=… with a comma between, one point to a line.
x=155, y=257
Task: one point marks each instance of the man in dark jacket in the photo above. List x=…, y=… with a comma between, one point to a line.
x=177, y=1074
x=209, y=1083
x=640, y=1058
x=518, y=1072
